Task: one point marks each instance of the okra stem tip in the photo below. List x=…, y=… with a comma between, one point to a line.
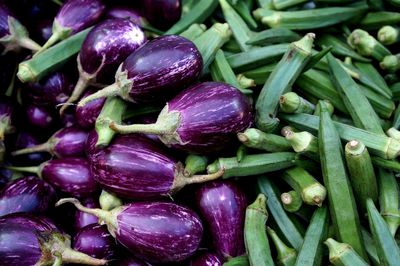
x=242, y=137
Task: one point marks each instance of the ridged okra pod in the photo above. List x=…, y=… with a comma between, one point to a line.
x=392, y=165
x=376, y=20
x=303, y=143
x=244, y=8
x=257, y=139
x=238, y=261
x=291, y=102
x=340, y=195
x=194, y=31
x=370, y=247
x=286, y=255
x=368, y=69
x=291, y=201
x=342, y=254
x=255, y=235
x=279, y=35
x=281, y=81
x=367, y=45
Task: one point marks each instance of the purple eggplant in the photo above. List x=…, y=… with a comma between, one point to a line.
x=157, y=232
x=74, y=16
x=201, y=119
x=155, y=71
x=66, y=142
x=105, y=47
x=162, y=13
x=51, y=90
x=68, y=119
x=128, y=260
x=96, y=241
x=222, y=205
x=124, y=12
x=25, y=139
x=206, y=259
x=83, y=219
x=70, y=175
x=13, y=35
x=135, y=167
x=40, y=117
x=86, y=115
x=28, y=240
x=27, y=194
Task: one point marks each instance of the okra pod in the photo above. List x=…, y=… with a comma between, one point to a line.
x=328, y=104
x=285, y=224
x=388, y=35
x=257, y=139
x=393, y=133
x=195, y=164
x=253, y=164
x=388, y=250
x=51, y=59
x=291, y=102
x=245, y=82
x=285, y=4
x=302, y=142
x=310, y=253
x=342, y=254
x=241, y=153
x=255, y=235
x=264, y=3
x=361, y=171
x=281, y=81
x=370, y=247
x=389, y=196
x=193, y=31
x=286, y=255
x=261, y=74
x=311, y=191
x=392, y=165
x=243, y=9
x=361, y=111
x=383, y=106
x=376, y=20
x=279, y=35
x=368, y=70
x=395, y=88
x=390, y=63
x=367, y=45
x=238, y=261
x=291, y=201
x=197, y=14
x=340, y=195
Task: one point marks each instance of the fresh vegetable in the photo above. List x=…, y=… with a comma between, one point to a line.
x=82, y=219
x=86, y=115
x=343, y=254
x=205, y=259
x=162, y=13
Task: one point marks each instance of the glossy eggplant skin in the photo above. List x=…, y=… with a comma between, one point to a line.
x=134, y=167
x=128, y=260
x=87, y=114
x=90, y=146
x=27, y=194
x=79, y=14
x=211, y=115
x=206, y=259
x=70, y=175
x=96, y=241
x=37, y=222
x=69, y=142
x=40, y=117
x=162, y=13
x=83, y=219
x=107, y=45
x=162, y=67
x=124, y=12
x=5, y=13
x=159, y=232
x=222, y=205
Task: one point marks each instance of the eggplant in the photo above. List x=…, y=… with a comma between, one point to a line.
x=105, y=47
x=13, y=35
x=70, y=175
x=124, y=12
x=128, y=260
x=222, y=205
x=74, y=16
x=204, y=118
x=25, y=139
x=86, y=115
x=40, y=117
x=162, y=13
x=96, y=241
x=68, y=119
x=155, y=71
x=206, y=259
x=7, y=113
x=157, y=232
x=90, y=145
x=27, y=240
x=83, y=219
x=66, y=142
x=135, y=167
x=27, y=194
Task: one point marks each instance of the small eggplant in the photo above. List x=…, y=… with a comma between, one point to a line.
x=70, y=175
x=29, y=241
x=201, y=119
x=27, y=194
x=13, y=35
x=66, y=142
x=124, y=12
x=162, y=13
x=74, y=16
x=157, y=232
x=206, y=259
x=25, y=139
x=40, y=117
x=222, y=205
x=96, y=241
x=128, y=260
x=135, y=167
x=83, y=219
x=86, y=115
x=155, y=71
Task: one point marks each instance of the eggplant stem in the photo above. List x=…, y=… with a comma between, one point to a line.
x=29, y=44
x=44, y=147
x=55, y=37
x=27, y=169
x=111, y=90
x=101, y=214
x=72, y=256
x=204, y=178
x=154, y=129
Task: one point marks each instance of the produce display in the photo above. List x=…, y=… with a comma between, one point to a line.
x=199, y=132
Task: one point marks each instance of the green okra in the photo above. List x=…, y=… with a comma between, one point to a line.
x=281, y=81
x=361, y=172
x=328, y=104
x=231, y=46
x=390, y=63
x=389, y=197
x=388, y=250
x=264, y=3
x=361, y=111
x=368, y=70
x=311, y=191
x=256, y=139
x=187, y=5
x=109, y=201
x=241, y=153
x=392, y=165
x=307, y=19
x=197, y=14
x=255, y=235
x=194, y=31
x=256, y=57
x=51, y=59
x=310, y=253
x=395, y=88
x=286, y=256
x=391, y=78
x=383, y=106
x=291, y=201
x=253, y=164
x=291, y=102
x=243, y=9
x=370, y=247
x=340, y=195
x=285, y=4
x=280, y=216
x=302, y=142
x=261, y=74
x=367, y=45
x=342, y=119
x=388, y=35
x=195, y=164
x=342, y=254
x=238, y=261
x=211, y=41
x=393, y=133
x=245, y=82
x=270, y=36
x=376, y=20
